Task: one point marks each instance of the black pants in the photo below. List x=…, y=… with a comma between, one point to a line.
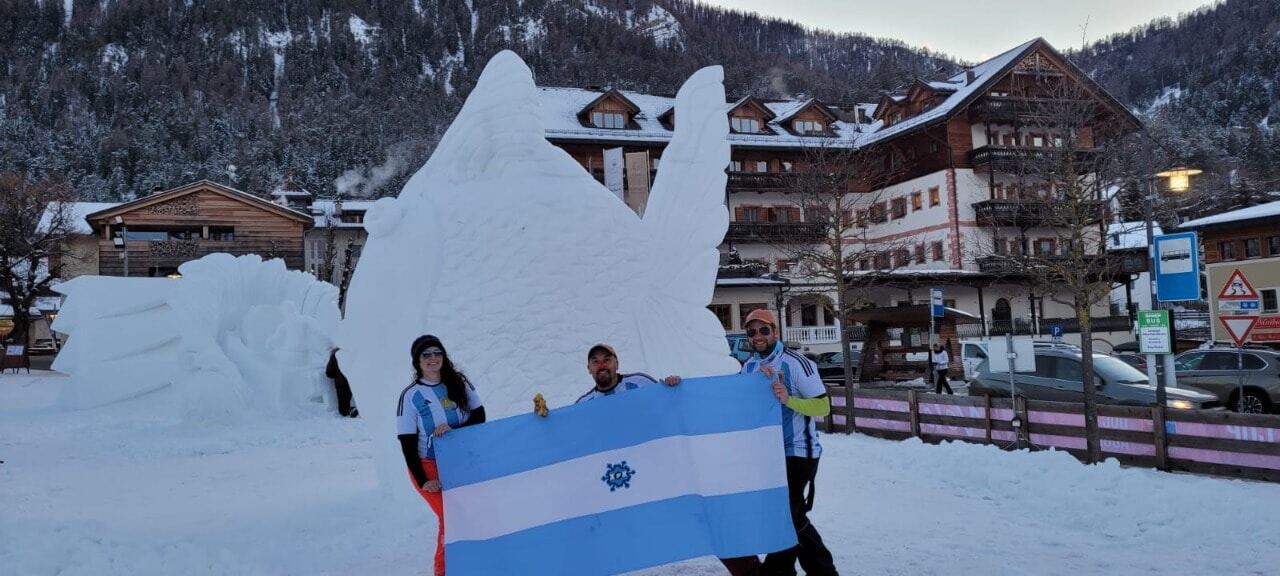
x=814, y=557
x=942, y=383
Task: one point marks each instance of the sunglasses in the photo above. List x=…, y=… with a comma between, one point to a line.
x=763, y=331
x=600, y=360
x=432, y=353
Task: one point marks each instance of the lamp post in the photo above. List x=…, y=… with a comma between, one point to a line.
x=1179, y=181
x=122, y=242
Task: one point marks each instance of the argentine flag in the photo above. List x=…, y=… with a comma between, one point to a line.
x=634, y=480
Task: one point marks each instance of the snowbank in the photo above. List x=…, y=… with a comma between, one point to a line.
x=99, y=493
x=233, y=336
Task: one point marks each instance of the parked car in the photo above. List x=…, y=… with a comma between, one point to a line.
x=831, y=366
x=1058, y=377
x=1217, y=370
x=739, y=347
x=974, y=353
x=1138, y=361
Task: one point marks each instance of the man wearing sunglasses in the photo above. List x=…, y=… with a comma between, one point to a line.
x=799, y=389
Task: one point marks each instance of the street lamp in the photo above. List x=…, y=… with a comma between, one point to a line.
x=1179, y=181
x=122, y=242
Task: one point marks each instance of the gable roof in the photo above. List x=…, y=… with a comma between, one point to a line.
x=1260, y=212
x=610, y=94
x=754, y=102
x=984, y=76
x=807, y=104
x=197, y=186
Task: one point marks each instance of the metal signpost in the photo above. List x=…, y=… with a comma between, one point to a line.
x=1175, y=277
x=1238, y=308
x=1056, y=332
x=936, y=310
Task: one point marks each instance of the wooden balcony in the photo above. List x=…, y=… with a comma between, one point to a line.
x=775, y=233
x=760, y=181
x=1024, y=213
x=1024, y=159
x=1007, y=109
x=1020, y=266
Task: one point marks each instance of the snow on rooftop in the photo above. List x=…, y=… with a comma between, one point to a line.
x=1129, y=235
x=963, y=91
x=1268, y=210
x=77, y=216
x=323, y=211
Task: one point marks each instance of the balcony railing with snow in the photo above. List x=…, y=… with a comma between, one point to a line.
x=812, y=334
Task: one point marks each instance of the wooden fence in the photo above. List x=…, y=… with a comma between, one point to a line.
x=1202, y=441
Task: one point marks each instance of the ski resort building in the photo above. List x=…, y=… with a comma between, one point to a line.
x=954, y=204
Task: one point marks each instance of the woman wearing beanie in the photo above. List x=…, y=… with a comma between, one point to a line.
x=439, y=399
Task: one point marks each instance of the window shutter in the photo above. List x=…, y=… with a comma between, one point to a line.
x=738, y=214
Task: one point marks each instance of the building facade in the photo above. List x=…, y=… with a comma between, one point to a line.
x=952, y=208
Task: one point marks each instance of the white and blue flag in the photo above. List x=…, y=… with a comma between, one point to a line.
x=630, y=481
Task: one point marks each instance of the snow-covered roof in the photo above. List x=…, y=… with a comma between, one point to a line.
x=77, y=216
x=1268, y=210
x=320, y=209
x=560, y=108
x=1129, y=235
x=983, y=74
x=749, y=282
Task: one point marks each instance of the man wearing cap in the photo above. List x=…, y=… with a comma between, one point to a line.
x=799, y=389
x=602, y=364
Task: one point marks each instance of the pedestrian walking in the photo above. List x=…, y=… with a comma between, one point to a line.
x=941, y=362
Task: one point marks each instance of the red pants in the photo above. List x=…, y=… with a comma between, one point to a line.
x=436, y=501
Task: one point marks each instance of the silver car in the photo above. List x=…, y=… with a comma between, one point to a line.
x=1220, y=371
x=1059, y=377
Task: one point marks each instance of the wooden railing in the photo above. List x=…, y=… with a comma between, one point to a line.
x=1029, y=159
x=1210, y=442
x=1111, y=265
x=1008, y=108
x=798, y=232
x=1035, y=213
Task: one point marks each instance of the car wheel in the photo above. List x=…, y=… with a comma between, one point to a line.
x=1254, y=403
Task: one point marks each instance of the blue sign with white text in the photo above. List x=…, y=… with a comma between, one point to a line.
x=935, y=302
x=1177, y=271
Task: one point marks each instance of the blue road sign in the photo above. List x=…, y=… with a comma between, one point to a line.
x=1177, y=258
x=935, y=300
x=1055, y=331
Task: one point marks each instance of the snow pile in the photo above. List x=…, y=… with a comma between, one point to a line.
x=505, y=248
x=234, y=335
x=99, y=493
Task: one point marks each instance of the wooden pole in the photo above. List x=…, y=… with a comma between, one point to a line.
x=1161, y=439
x=1024, y=432
x=987, y=411
x=913, y=401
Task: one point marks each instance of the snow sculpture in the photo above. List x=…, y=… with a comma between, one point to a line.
x=504, y=247
x=234, y=335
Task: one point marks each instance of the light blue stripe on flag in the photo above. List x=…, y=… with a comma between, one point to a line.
x=630, y=481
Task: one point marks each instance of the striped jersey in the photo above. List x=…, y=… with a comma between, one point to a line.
x=800, y=376
x=425, y=405
x=625, y=382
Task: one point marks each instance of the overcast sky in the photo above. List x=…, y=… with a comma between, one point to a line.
x=971, y=30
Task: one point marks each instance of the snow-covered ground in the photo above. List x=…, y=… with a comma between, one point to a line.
x=128, y=489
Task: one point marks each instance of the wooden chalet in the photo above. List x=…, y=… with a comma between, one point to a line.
x=168, y=228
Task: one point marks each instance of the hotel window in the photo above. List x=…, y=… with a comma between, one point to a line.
x=917, y=201
x=882, y=261
x=863, y=265
x=762, y=166
x=860, y=219
x=751, y=214
x=1044, y=247
x=723, y=313
x=608, y=120
x=899, y=208
x=735, y=165
x=919, y=253
x=786, y=166
x=935, y=197
x=1252, y=248
x=222, y=234
x=1273, y=246
x=901, y=257
x=937, y=251
x=1002, y=246
x=808, y=127
x=744, y=125
x=1227, y=250
x=1037, y=140
x=878, y=213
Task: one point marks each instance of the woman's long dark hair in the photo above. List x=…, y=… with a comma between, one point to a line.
x=455, y=382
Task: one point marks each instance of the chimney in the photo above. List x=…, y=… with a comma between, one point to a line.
x=969, y=76
x=862, y=116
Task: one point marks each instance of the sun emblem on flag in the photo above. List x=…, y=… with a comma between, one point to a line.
x=618, y=476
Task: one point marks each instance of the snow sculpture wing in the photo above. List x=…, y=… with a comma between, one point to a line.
x=505, y=248
x=234, y=335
